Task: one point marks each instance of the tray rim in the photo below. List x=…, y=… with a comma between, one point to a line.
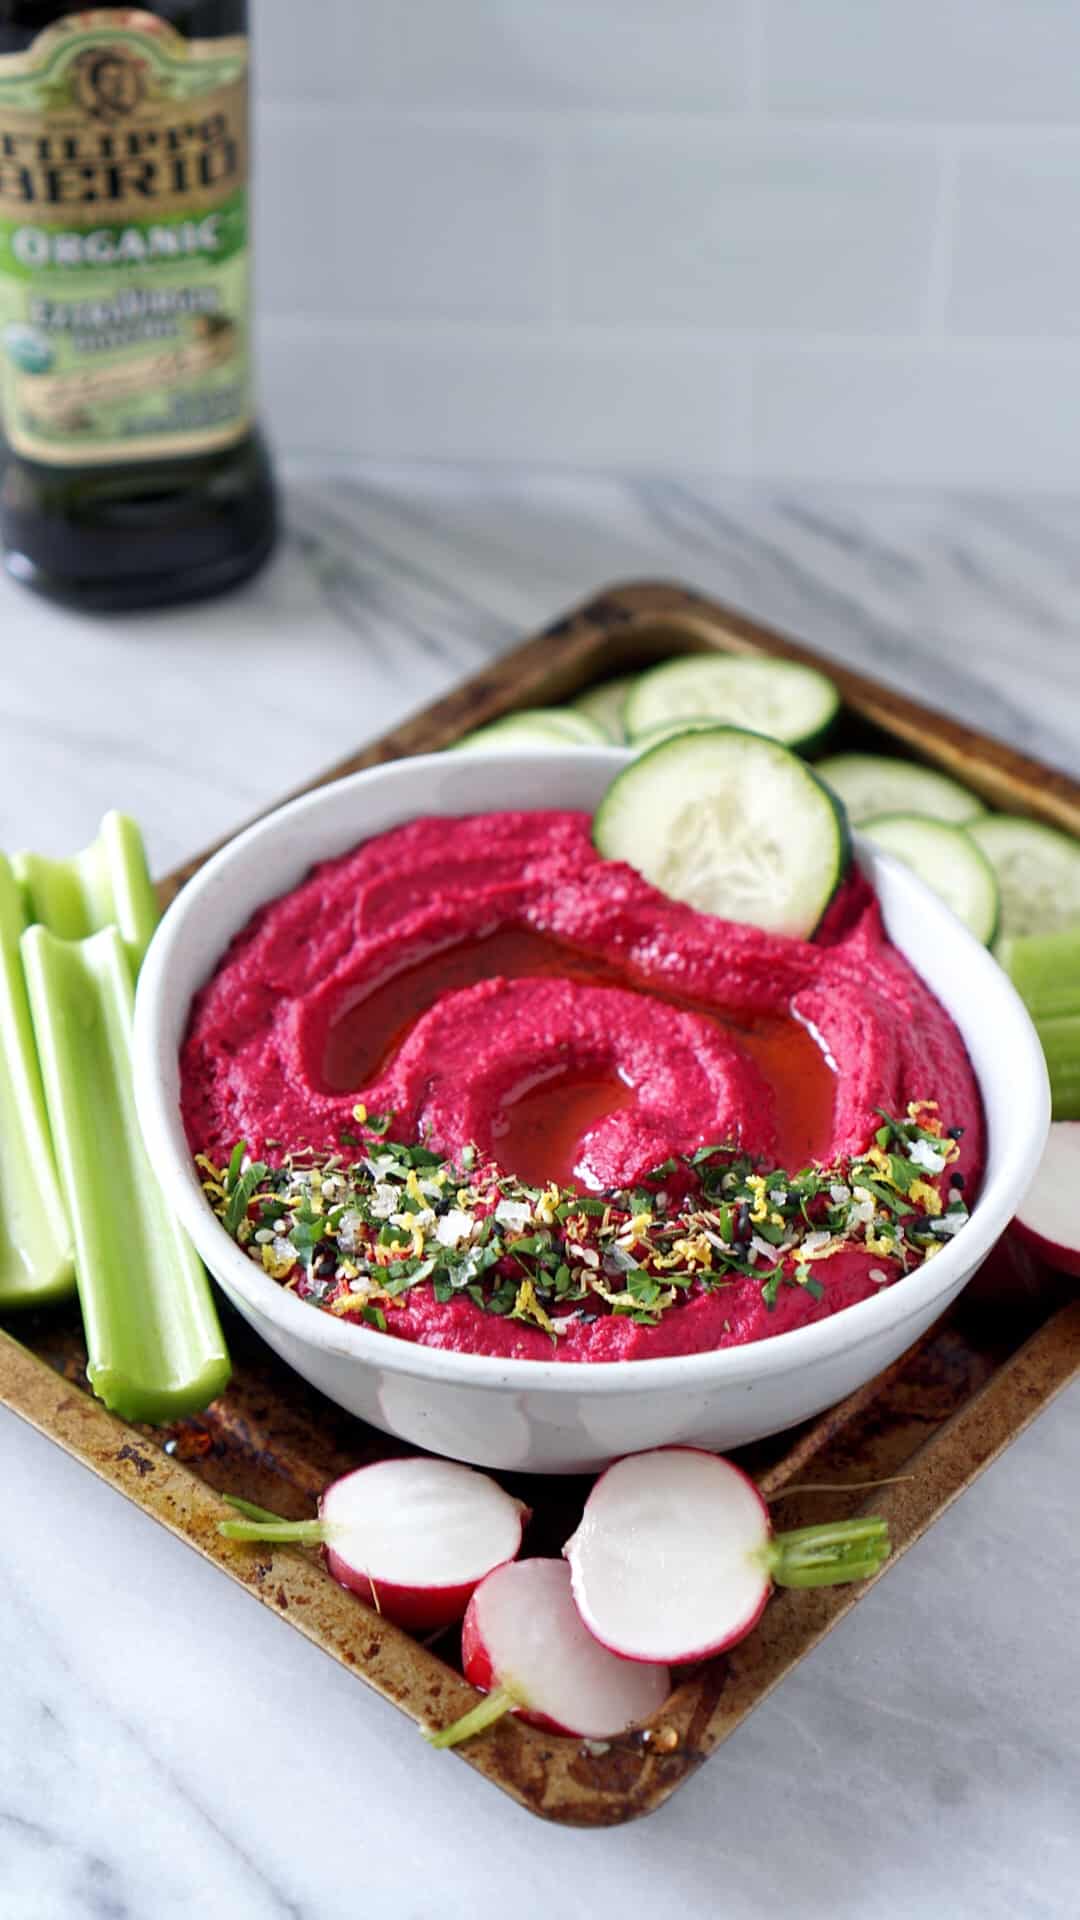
x=535, y=1769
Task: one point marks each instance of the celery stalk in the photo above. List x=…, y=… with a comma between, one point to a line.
x=155, y=1347
x=1045, y=970
x=1061, y=1044
x=107, y=884
x=36, y=1259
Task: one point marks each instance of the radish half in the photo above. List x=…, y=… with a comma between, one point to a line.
x=524, y=1645
x=675, y=1556
x=1049, y=1219
x=412, y=1537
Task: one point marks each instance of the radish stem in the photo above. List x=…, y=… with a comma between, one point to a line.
x=828, y=1555
x=835, y=1486
x=271, y=1529
x=492, y=1707
x=249, y=1510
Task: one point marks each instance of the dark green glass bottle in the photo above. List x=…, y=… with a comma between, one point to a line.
x=131, y=470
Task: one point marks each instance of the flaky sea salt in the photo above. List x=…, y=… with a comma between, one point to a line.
x=922, y=1154
x=515, y=1214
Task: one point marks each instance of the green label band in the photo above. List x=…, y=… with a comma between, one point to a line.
x=124, y=323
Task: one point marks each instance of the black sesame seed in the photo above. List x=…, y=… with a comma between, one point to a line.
x=956, y=1180
x=956, y=1133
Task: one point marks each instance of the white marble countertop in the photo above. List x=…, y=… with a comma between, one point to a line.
x=167, y=1749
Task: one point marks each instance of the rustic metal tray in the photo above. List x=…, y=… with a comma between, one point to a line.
x=936, y=1418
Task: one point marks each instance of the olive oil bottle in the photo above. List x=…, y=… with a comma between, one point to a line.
x=131, y=470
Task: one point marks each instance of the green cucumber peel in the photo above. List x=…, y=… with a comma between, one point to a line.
x=605, y=704
x=107, y=884
x=155, y=1347
x=37, y=1264
x=828, y=1555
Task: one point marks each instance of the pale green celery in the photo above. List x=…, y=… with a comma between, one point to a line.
x=107, y=884
x=155, y=1347
x=1061, y=1045
x=1045, y=970
x=36, y=1257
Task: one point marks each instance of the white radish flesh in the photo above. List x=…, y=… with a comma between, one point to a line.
x=413, y=1537
x=669, y=1560
x=675, y=1556
x=524, y=1645
x=1049, y=1218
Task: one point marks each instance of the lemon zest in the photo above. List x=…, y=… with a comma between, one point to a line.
x=927, y=1196
x=527, y=1307
x=275, y=1264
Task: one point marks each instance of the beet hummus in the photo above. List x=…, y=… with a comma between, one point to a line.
x=532, y=1014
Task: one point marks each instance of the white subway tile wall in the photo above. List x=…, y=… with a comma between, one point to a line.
x=818, y=238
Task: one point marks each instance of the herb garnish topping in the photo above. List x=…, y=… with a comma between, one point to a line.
x=355, y=1236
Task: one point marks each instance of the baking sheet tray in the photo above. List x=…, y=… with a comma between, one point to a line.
x=937, y=1417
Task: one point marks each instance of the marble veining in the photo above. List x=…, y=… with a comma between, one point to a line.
x=167, y=1749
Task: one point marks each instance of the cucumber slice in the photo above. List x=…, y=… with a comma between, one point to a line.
x=1045, y=970
x=870, y=784
x=669, y=731
x=788, y=702
x=1038, y=871
x=605, y=704
x=535, y=727
x=733, y=824
x=948, y=860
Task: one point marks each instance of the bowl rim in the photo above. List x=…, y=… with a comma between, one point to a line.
x=844, y=1332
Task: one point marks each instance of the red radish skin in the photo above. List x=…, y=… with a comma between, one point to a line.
x=524, y=1646
x=1049, y=1219
x=412, y=1537
x=675, y=1556
x=418, y=1610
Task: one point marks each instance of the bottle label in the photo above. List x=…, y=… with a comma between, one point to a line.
x=124, y=313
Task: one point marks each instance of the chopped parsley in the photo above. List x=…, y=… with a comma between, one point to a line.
x=356, y=1234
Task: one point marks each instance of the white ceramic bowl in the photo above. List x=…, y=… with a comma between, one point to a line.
x=545, y=1416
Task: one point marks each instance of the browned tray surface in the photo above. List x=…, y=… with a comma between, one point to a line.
x=937, y=1417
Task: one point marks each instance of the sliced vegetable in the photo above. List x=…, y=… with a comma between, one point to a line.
x=949, y=862
x=107, y=884
x=789, y=702
x=36, y=1255
x=1038, y=871
x=1049, y=1219
x=524, y=1645
x=604, y=704
x=870, y=784
x=1060, y=1039
x=535, y=727
x=668, y=731
x=155, y=1347
x=412, y=1537
x=733, y=824
x=1045, y=970
x=675, y=1556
